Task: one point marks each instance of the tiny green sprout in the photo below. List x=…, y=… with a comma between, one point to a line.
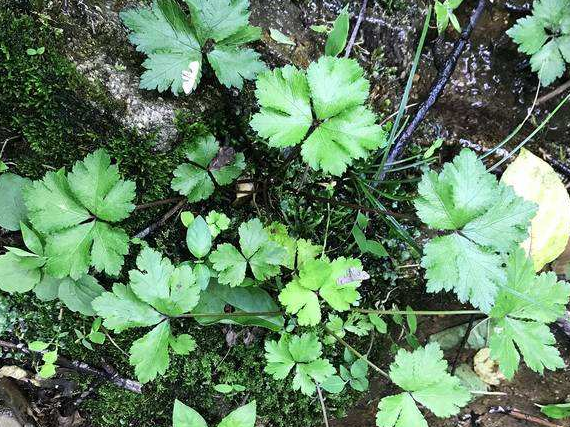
x=444, y=13
x=35, y=52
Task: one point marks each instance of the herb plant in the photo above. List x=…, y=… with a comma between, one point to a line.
x=545, y=36
x=323, y=109
x=176, y=44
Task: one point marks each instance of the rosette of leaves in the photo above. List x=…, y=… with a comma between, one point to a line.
x=523, y=308
x=484, y=219
x=208, y=167
x=321, y=108
x=356, y=323
x=184, y=416
x=335, y=282
x=157, y=291
x=302, y=353
x=423, y=377
x=176, y=44
x=545, y=36
x=24, y=270
x=75, y=213
x=263, y=256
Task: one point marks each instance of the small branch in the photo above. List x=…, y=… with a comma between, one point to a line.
x=352, y=40
x=515, y=413
x=234, y=314
x=462, y=344
x=80, y=367
x=438, y=86
x=323, y=407
x=142, y=234
x=421, y=312
x=558, y=91
x=357, y=353
x=158, y=203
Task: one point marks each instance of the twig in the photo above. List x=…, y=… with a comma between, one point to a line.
x=356, y=353
x=559, y=90
x=438, y=86
x=515, y=413
x=324, y=408
x=80, y=367
x=352, y=40
x=158, y=203
x=6, y=142
x=234, y=314
x=154, y=226
x=462, y=344
x=420, y=312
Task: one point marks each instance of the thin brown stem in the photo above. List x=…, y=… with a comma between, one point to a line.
x=352, y=40
x=356, y=353
x=81, y=367
x=158, y=203
x=323, y=407
x=558, y=91
x=515, y=413
x=142, y=234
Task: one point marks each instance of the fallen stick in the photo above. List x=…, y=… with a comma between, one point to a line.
x=154, y=226
x=352, y=40
x=558, y=91
x=515, y=413
x=80, y=367
x=437, y=87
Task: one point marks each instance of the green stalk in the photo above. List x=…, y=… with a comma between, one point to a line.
x=421, y=312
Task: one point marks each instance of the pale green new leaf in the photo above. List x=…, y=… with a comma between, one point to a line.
x=285, y=116
x=336, y=41
x=19, y=273
x=279, y=358
x=229, y=263
x=184, y=416
x=149, y=354
x=301, y=301
x=182, y=344
x=399, y=411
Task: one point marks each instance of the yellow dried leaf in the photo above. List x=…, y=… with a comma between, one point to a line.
x=535, y=180
x=486, y=368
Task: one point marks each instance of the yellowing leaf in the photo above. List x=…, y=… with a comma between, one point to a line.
x=535, y=180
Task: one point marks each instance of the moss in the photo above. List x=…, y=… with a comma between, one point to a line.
x=60, y=117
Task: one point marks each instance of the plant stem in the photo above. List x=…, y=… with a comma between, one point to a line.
x=355, y=29
x=142, y=234
x=158, y=203
x=515, y=413
x=357, y=353
x=559, y=90
x=234, y=314
x=323, y=407
x=421, y=312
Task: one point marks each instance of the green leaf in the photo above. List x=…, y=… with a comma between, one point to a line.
x=244, y=416
x=184, y=416
x=60, y=207
x=333, y=384
x=182, y=344
x=489, y=219
x=251, y=299
x=47, y=289
x=279, y=37
x=38, y=346
x=224, y=388
x=218, y=19
x=194, y=179
x=149, y=354
x=47, y=371
x=285, y=116
x=378, y=323
x=263, y=255
x=170, y=290
x=302, y=352
x=556, y=411
x=165, y=35
x=99, y=188
x=217, y=222
x=122, y=310
x=338, y=36
x=233, y=65
x=423, y=375
x=321, y=275
x=32, y=240
x=78, y=295
x=20, y=274
x=199, y=238
x=523, y=307
x=12, y=207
